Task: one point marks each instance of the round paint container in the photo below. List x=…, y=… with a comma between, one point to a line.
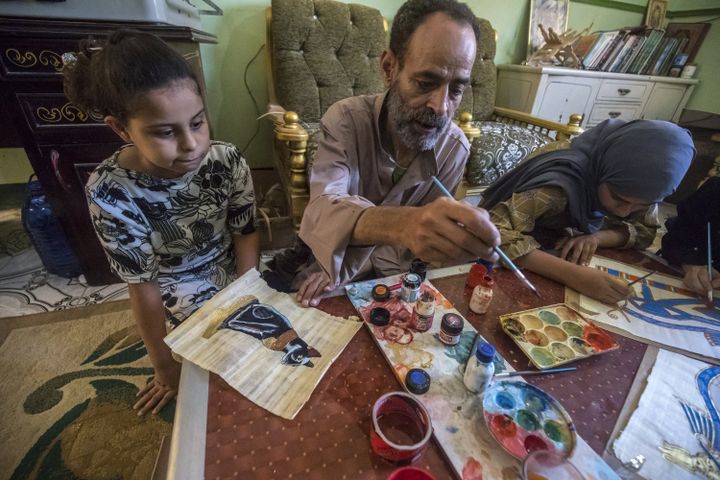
x=380, y=292
x=524, y=419
x=450, y=328
x=424, y=312
x=419, y=267
x=417, y=381
x=379, y=316
x=410, y=287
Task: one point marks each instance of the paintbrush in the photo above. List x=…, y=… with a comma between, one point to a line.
x=534, y=372
x=709, y=265
x=497, y=250
x=641, y=278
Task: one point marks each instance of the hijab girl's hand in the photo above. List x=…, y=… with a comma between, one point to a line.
x=578, y=249
x=601, y=286
x=697, y=279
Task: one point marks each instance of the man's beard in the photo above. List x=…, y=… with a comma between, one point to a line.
x=402, y=118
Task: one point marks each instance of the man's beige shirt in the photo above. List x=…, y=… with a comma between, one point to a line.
x=352, y=171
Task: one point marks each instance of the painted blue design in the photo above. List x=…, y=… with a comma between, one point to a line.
x=689, y=314
x=705, y=422
x=452, y=429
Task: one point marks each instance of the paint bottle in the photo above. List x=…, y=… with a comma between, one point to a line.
x=480, y=269
x=419, y=267
x=410, y=287
x=424, y=312
x=482, y=295
x=451, y=328
x=480, y=368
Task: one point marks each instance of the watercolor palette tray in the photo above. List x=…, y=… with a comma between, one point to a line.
x=555, y=334
x=457, y=420
x=523, y=418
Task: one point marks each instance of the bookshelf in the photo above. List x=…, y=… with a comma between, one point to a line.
x=554, y=93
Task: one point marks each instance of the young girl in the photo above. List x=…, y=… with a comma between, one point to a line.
x=174, y=211
x=597, y=193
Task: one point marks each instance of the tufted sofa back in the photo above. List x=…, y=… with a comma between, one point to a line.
x=480, y=99
x=325, y=50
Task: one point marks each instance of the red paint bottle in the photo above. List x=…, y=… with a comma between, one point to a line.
x=482, y=295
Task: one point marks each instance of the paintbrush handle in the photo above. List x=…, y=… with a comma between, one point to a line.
x=709, y=262
x=534, y=372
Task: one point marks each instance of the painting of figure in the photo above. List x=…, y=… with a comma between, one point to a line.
x=550, y=14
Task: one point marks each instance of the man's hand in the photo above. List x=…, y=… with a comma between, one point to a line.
x=312, y=289
x=161, y=389
x=601, y=286
x=578, y=249
x=448, y=231
x=697, y=279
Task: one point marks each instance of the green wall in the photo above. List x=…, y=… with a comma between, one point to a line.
x=241, y=32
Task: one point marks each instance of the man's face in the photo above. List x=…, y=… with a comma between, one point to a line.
x=425, y=92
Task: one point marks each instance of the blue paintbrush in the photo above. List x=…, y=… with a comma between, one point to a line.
x=497, y=250
x=534, y=372
x=709, y=266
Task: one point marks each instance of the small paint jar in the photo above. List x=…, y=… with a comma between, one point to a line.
x=450, y=328
x=424, y=312
x=479, y=270
x=482, y=295
x=379, y=316
x=417, y=381
x=419, y=267
x=410, y=287
x=480, y=368
x=380, y=292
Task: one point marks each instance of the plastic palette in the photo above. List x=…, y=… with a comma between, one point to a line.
x=523, y=419
x=555, y=334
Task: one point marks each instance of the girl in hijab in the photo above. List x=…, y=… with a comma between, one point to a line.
x=600, y=192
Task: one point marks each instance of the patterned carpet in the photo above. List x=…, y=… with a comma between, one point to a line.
x=68, y=380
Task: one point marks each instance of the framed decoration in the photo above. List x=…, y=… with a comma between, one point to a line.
x=550, y=14
x=694, y=32
x=655, y=13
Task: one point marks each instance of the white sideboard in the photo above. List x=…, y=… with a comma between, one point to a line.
x=554, y=93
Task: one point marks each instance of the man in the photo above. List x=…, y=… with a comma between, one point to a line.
x=373, y=206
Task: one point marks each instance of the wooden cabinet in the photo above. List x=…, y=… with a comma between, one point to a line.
x=554, y=93
x=63, y=143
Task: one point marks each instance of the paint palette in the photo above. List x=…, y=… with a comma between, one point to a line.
x=523, y=419
x=555, y=334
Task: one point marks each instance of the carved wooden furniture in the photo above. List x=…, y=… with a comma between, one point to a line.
x=322, y=52
x=64, y=143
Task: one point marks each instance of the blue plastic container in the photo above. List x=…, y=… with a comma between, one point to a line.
x=46, y=234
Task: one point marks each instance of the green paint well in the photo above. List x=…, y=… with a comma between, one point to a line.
x=572, y=329
x=527, y=420
x=534, y=403
x=561, y=351
x=549, y=317
x=542, y=356
x=555, y=431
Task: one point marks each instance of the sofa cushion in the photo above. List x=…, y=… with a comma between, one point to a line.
x=498, y=149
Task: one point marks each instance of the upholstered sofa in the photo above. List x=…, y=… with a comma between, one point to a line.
x=321, y=51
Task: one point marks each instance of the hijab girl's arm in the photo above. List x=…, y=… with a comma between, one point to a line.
x=147, y=307
x=247, y=252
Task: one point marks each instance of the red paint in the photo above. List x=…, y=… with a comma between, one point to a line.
x=504, y=426
x=410, y=473
x=533, y=443
x=599, y=340
x=472, y=470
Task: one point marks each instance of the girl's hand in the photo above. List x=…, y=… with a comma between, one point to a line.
x=161, y=389
x=601, y=286
x=698, y=280
x=578, y=249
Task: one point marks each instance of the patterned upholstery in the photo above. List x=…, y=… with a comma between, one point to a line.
x=498, y=149
x=324, y=51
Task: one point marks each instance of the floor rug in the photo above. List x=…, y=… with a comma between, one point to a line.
x=68, y=380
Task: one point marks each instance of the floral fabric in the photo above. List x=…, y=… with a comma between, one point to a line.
x=177, y=231
x=498, y=149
